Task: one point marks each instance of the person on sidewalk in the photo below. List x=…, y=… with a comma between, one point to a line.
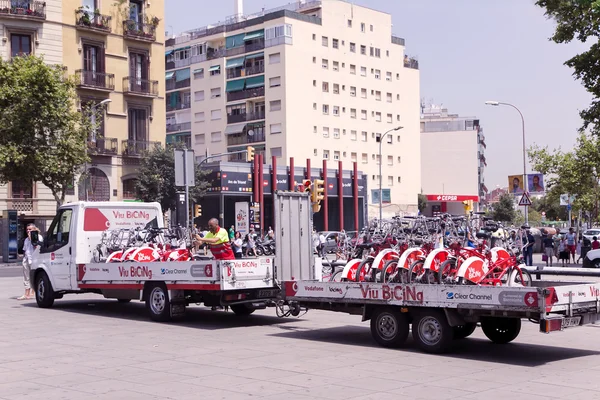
x=529, y=249
x=571, y=244
x=595, y=243
x=549, y=248
x=28, y=249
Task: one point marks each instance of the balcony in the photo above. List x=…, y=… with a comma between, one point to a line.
x=23, y=206
x=92, y=21
x=178, y=106
x=23, y=9
x=95, y=80
x=104, y=146
x=246, y=94
x=213, y=54
x=411, y=63
x=139, y=31
x=234, y=73
x=140, y=87
x=256, y=45
x=244, y=138
x=169, y=65
x=255, y=70
x=184, y=126
x=172, y=84
x=137, y=148
x=235, y=118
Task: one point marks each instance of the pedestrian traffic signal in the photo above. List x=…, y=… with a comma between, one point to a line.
x=197, y=210
x=317, y=194
x=250, y=154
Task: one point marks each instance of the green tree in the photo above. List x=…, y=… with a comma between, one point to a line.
x=43, y=138
x=422, y=202
x=156, y=179
x=504, y=209
x=580, y=20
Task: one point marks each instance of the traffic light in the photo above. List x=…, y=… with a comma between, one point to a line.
x=197, y=210
x=306, y=185
x=468, y=205
x=317, y=194
x=250, y=154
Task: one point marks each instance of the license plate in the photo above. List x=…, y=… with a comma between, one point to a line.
x=267, y=293
x=571, y=321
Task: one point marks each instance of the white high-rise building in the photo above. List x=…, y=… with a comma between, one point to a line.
x=310, y=80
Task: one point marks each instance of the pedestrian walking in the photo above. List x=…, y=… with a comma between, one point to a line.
x=571, y=243
x=529, y=248
x=237, y=245
x=28, y=249
x=548, y=248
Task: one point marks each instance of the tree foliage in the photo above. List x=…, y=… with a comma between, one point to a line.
x=580, y=20
x=156, y=179
x=43, y=138
x=504, y=209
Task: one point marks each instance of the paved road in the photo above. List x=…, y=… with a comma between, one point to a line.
x=90, y=348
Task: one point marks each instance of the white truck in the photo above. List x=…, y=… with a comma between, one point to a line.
x=64, y=264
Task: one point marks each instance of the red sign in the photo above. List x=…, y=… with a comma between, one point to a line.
x=450, y=197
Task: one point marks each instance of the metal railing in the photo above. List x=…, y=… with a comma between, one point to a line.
x=178, y=106
x=257, y=69
x=212, y=54
x=139, y=30
x=235, y=118
x=243, y=138
x=398, y=40
x=91, y=20
x=182, y=63
x=257, y=45
x=109, y=146
x=411, y=63
x=234, y=73
x=173, y=84
x=93, y=79
x=132, y=84
x=246, y=94
x=23, y=8
x=183, y=126
x=137, y=148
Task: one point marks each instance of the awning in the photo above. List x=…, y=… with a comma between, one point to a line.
x=251, y=56
x=235, y=128
x=235, y=62
x=199, y=70
x=168, y=53
x=214, y=68
x=254, y=35
x=182, y=74
x=234, y=86
x=169, y=75
x=183, y=48
x=255, y=81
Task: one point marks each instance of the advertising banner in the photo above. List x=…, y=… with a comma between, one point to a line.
x=242, y=217
x=96, y=219
x=535, y=183
x=515, y=184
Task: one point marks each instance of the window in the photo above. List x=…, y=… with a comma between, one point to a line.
x=275, y=58
x=376, y=158
x=363, y=114
x=59, y=232
x=215, y=92
x=336, y=66
x=390, y=181
x=399, y=179
x=316, y=152
x=387, y=53
x=200, y=138
x=199, y=116
x=349, y=23
x=378, y=117
x=399, y=159
x=377, y=74
x=325, y=131
x=275, y=81
x=371, y=51
x=314, y=60
x=363, y=135
x=363, y=50
x=22, y=189
x=378, y=95
x=388, y=97
x=215, y=114
x=353, y=157
x=315, y=129
x=363, y=93
x=314, y=82
x=275, y=129
x=137, y=120
x=199, y=73
x=335, y=43
x=325, y=86
x=352, y=47
x=325, y=63
x=353, y=69
x=336, y=88
x=215, y=70
x=336, y=111
x=336, y=155
x=371, y=27
x=390, y=160
x=353, y=113
x=353, y=91
x=314, y=106
x=93, y=61
x=398, y=96
x=325, y=109
x=390, y=118
x=398, y=139
x=275, y=105
x=377, y=52
x=276, y=152
x=388, y=76
x=362, y=27
x=276, y=32
x=390, y=139
x=325, y=41
x=397, y=76
x=353, y=135
x=336, y=133
x=20, y=45
x=215, y=137
x=363, y=71
x=365, y=158
x=314, y=36
x=398, y=117
x=326, y=154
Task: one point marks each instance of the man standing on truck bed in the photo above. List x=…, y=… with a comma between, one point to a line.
x=218, y=240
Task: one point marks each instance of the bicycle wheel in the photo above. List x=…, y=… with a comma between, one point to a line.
x=361, y=271
x=447, y=269
x=336, y=276
x=415, y=270
x=519, y=277
x=389, y=271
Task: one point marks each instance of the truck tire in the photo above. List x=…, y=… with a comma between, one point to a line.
x=158, y=304
x=501, y=330
x=389, y=327
x=464, y=331
x=44, y=294
x=242, y=309
x=431, y=331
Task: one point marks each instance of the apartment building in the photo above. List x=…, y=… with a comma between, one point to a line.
x=108, y=47
x=318, y=80
x=452, y=160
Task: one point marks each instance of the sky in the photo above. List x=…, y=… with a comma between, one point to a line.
x=469, y=51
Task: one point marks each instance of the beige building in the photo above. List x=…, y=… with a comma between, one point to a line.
x=452, y=160
x=108, y=46
x=310, y=80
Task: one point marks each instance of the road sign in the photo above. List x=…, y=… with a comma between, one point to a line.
x=525, y=200
x=184, y=168
x=568, y=207
x=566, y=199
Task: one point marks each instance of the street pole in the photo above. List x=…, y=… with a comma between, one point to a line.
x=380, y=177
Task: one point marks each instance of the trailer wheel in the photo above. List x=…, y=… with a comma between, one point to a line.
x=158, y=304
x=431, y=331
x=464, y=331
x=389, y=327
x=44, y=294
x=501, y=330
x=242, y=309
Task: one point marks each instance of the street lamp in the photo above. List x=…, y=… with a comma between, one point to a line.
x=380, y=178
x=93, y=118
x=498, y=103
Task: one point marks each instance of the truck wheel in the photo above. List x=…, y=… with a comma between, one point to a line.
x=389, y=327
x=158, y=304
x=464, y=331
x=44, y=294
x=501, y=330
x=123, y=300
x=242, y=309
x=431, y=331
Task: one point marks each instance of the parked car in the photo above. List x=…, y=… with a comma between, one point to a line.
x=331, y=240
x=590, y=233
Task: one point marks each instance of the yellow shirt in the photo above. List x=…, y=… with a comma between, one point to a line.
x=222, y=235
